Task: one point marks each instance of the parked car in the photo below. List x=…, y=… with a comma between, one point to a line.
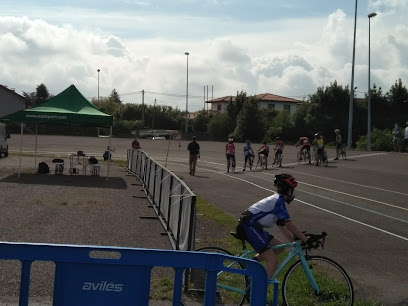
x=158, y=137
x=3, y=140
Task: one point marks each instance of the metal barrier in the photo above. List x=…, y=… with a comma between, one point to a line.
x=93, y=275
x=172, y=200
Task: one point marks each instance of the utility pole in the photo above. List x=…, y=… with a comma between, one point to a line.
x=154, y=111
x=143, y=108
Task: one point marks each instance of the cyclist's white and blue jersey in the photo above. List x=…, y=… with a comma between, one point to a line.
x=264, y=213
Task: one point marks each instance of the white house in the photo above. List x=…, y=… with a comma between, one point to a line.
x=266, y=101
x=10, y=101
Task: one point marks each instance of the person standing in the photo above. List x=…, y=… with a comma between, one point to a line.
x=406, y=137
x=396, y=132
x=135, y=144
x=194, y=149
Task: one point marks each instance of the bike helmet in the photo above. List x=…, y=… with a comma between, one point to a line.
x=230, y=140
x=285, y=181
x=264, y=142
x=337, y=131
x=277, y=138
x=248, y=142
x=287, y=184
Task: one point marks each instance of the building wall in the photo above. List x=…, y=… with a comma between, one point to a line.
x=10, y=102
x=279, y=106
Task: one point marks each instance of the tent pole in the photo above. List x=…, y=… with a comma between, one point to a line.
x=109, y=156
x=21, y=149
x=35, y=154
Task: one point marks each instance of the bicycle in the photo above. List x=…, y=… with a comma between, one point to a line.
x=261, y=161
x=231, y=165
x=322, y=157
x=343, y=152
x=303, y=155
x=278, y=160
x=251, y=161
x=310, y=280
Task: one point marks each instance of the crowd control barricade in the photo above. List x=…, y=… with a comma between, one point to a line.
x=95, y=275
x=172, y=200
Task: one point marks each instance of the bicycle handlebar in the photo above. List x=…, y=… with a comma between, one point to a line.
x=318, y=241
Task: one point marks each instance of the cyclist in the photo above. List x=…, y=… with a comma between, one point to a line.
x=305, y=144
x=338, y=143
x=230, y=153
x=318, y=143
x=264, y=149
x=249, y=153
x=278, y=148
x=264, y=214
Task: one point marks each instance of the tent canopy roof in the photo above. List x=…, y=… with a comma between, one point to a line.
x=68, y=107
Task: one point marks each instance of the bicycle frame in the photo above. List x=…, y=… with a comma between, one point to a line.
x=295, y=252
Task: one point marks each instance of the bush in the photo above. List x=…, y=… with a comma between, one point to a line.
x=381, y=140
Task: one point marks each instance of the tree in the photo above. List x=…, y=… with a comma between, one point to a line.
x=30, y=96
x=234, y=108
x=115, y=96
x=218, y=126
x=200, y=122
x=41, y=95
x=249, y=121
x=398, y=94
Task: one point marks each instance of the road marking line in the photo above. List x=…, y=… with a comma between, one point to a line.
x=344, y=203
x=305, y=203
x=356, y=184
x=355, y=196
x=355, y=221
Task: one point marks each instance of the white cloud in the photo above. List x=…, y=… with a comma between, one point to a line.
x=286, y=56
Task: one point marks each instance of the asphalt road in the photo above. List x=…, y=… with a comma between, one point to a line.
x=360, y=202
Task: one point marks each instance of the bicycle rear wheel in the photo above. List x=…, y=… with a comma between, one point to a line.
x=343, y=153
x=334, y=284
x=306, y=157
x=231, y=288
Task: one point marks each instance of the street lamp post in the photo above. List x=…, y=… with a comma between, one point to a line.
x=98, y=83
x=369, y=86
x=186, y=53
x=350, y=123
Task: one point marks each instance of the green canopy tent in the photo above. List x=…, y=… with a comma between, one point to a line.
x=68, y=107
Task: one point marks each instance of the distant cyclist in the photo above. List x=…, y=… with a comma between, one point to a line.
x=230, y=153
x=264, y=149
x=249, y=153
x=318, y=143
x=278, y=148
x=338, y=143
x=304, y=143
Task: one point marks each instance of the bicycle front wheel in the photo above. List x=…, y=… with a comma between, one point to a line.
x=334, y=284
x=231, y=288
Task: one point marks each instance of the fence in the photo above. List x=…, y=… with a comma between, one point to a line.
x=173, y=202
x=87, y=275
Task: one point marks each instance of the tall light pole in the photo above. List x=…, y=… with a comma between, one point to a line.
x=369, y=86
x=98, y=83
x=350, y=123
x=186, y=53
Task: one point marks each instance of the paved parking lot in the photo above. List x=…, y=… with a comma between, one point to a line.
x=360, y=202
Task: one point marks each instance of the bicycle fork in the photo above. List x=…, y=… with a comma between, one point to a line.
x=309, y=274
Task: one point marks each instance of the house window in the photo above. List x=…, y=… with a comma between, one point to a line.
x=219, y=107
x=286, y=107
x=271, y=106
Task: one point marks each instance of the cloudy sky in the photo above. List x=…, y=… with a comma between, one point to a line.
x=284, y=47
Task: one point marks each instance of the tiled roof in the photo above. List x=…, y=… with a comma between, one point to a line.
x=261, y=97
